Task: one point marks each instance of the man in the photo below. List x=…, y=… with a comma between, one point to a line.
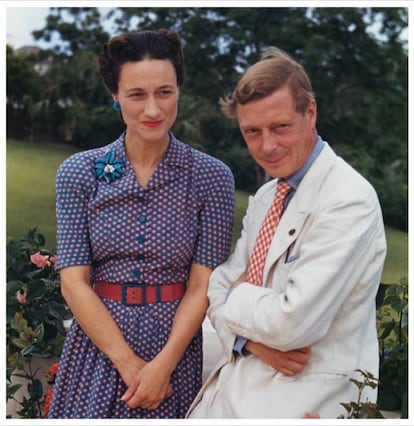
x=317, y=278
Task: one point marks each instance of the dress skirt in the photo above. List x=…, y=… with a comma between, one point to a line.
x=89, y=386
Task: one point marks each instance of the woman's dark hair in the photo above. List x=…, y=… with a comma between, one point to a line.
x=136, y=46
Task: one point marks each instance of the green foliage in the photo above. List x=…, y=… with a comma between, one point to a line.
x=24, y=93
x=393, y=338
x=362, y=409
x=241, y=163
x=34, y=316
x=392, y=323
x=360, y=81
x=82, y=32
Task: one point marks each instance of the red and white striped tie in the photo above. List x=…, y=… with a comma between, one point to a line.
x=268, y=229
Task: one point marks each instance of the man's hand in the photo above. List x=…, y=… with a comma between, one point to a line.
x=288, y=363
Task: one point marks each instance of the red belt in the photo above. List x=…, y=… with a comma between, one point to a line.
x=140, y=294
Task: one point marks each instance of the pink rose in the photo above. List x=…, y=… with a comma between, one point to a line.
x=21, y=297
x=311, y=416
x=40, y=260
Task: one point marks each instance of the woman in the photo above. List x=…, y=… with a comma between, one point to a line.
x=141, y=224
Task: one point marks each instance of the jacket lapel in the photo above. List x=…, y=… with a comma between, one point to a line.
x=293, y=219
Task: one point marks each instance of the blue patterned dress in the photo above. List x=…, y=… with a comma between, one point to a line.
x=131, y=234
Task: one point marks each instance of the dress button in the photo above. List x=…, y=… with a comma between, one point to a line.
x=137, y=274
x=142, y=218
x=141, y=239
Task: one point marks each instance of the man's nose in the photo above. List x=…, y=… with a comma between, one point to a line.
x=269, y=141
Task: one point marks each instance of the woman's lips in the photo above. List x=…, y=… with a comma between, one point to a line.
x=152, y=124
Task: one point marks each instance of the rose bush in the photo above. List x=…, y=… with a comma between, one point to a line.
x=35, y=315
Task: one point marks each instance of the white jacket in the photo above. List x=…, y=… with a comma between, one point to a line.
x=321, y=277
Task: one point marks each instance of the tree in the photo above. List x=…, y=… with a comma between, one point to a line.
x=74, y=28
x=359, y=76
x=24, y=88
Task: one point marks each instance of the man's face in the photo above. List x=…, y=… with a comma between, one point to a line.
x=279, y=138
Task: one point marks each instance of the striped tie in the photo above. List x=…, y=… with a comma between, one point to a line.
x=268, y=229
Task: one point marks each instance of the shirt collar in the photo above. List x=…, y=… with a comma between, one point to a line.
x=177, y=153
x=295, y=179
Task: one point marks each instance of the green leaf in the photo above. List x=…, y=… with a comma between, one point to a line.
x=13, y=287
x=19, y=322
x=37, y=289
x=19, y=343
x=398, y=305
x=358, y=384
x=387, y=329
x=40, y=332
x=9, y=371
x=43, y=353
x=35, y=389
x=27, y=350
x=12, y=389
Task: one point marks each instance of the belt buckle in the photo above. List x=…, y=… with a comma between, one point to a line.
x=125, y=288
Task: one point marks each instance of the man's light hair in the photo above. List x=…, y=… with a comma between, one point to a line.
x=275, y=70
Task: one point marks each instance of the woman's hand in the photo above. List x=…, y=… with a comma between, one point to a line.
x=129, y=369
x=151, y=384
x=149, y=387
x=288, y=363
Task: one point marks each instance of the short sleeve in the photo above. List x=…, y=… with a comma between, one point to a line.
x=73, y=244
x=216, y=220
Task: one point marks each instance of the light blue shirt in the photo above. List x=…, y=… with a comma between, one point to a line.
x=297, y=177
x=294, y=182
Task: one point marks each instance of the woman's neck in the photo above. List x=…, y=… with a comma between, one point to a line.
x=145, y=156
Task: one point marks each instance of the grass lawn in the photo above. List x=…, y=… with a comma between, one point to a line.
x=30, y=188
x=30, y=201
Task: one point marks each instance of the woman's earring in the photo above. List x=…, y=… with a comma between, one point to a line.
x=116, y=106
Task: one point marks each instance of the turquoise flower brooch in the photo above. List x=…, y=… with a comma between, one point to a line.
x=109, y=167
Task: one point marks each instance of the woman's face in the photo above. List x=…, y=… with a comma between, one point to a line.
x=148, y=95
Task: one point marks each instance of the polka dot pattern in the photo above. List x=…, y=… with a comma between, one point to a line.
x=130, y=234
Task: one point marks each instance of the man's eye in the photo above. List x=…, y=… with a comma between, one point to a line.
x=165, y=93
x=282, y=126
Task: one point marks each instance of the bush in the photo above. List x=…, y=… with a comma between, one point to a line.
x=35, y=315
x=392, y=315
